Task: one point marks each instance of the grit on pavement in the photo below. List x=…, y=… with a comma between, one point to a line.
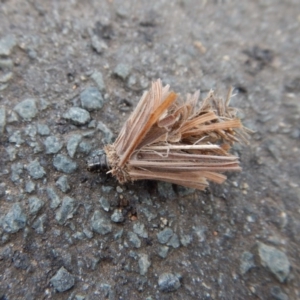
x=71, y=72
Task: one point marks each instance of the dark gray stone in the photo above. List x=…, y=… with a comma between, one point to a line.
x=21, y=260
x=274, y=260
x=168, y=282
x=98, y=78
x=43, y=129
x=15, y=219
x=7, y=43
x=62, y=280
x=104, y=204
x=185, y=239
x=73, y=143
x=62, y=184
x=35, y=170
x=139, y=229
x=6, y=253
x=91, y=99
x=148, y=214
x=165, y=235
x=35, y=204
x=106, y=188
x=278, y=294
x=144, y=263
x=122, y=71
x=117, y=216
x=163, y=251
x=43, y=104
x=6, y=64
x=79, y=235
x=166, y=190
x=31, y=131
x=184, y=191
x=100, y=223
x=108, y=135
x=200, y=232
x=6, y=77
x=77, y=116
x=246, y=262
x=2, y=189
x=84, y=147
x=88, y=233
x=2, y=119
x=133, y=239
x=16, y=138
x=29, y=187
x=16, y=171
x=98, y=45
x=52, y=144
x=174, y=241
x=55, y=201
x=64, y=164
x=39, y=224
x=26, y=109
x=12, y=152
x=66, y=210
x=12, y=117
x=118, y=234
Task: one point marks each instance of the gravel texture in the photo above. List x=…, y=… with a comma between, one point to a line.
x=71, y=73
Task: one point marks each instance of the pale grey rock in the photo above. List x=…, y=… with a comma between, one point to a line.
x=100, y=223
x=168, y=282
x=26, y=109
x=274, y=260
x=62, y=280
x=91, y=99
x=15, y=219
x=64, y=164
x=77, y=116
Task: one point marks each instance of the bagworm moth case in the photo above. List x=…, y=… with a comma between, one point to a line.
x=168, y=139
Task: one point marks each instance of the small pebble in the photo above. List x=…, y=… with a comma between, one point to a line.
x=15, y=219
x=66, y=210
x=73, y=143
x=108, y=135
x=104, y=203
x=2, y=119
x=122, y=71
x=26, y=109
x=117, y=216
x=29, y=187
x=274, y=260
x=7, y=43
x=62, y=184
x=139, y=229
x=77, y=116
x=35, y=170
x=62, y=280
x=134, y=240
x=91, y=99
x=98, y=78
x=98, y=45
x=55, y=201
x=100, y=223
x=39, y=224
x=52, y=144
x=165, y=235
x=35, y=204
x=43, y=129
x=64, y=164
x=144, y=263
x=168, y=282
